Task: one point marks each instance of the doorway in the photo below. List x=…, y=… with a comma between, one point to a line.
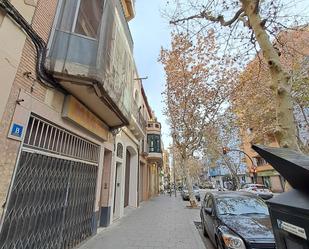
x=117, y=191
x=127, y=179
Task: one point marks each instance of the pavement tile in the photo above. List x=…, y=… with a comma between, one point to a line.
x=161, y=223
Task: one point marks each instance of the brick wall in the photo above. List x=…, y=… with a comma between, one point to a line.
x=42, y=23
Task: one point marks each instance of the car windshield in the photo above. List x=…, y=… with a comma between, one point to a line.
x=241, y=206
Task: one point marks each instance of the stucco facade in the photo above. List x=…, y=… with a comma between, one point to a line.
x=60, y=140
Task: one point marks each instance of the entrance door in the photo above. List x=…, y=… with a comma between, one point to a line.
x=141, y=182
x=127, y=181
x=117, y=191
x=52, y=197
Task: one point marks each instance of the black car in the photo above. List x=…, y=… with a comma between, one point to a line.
x=236, y=220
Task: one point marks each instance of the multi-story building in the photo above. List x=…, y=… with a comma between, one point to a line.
x=221, y=176
x=265, y=173
x=68, y=104
x=154, y=159
x=166, y=172
x=130, y=176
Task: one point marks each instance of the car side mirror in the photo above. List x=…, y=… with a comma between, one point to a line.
x=208, y=211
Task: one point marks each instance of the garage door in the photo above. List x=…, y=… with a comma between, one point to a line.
x=51, y=201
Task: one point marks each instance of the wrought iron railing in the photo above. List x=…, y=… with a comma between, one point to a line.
x=51, y=138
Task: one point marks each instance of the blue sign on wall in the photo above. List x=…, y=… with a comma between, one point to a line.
x=17, y=130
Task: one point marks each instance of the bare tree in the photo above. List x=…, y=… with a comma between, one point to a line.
x=196, y=89
x=254, y=102
x=247, y=26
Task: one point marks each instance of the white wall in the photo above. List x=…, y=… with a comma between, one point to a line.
x=128, y=142
x=12, y=40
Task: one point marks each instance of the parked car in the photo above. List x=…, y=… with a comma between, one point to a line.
x=185, y=193
x=258, y=189
x=207, y=185
x=237, y=220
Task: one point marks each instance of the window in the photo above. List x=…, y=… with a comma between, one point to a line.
x=136, y=96
x=143, y=146
x=81, y=17
x=154, y=143
x=260, y=161
x=119, y=150
x=89, y=18
x=157, y=125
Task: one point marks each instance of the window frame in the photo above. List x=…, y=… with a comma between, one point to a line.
x=156, y=139
x=75, y=21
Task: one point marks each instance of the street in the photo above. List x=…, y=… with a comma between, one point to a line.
x=161, y=223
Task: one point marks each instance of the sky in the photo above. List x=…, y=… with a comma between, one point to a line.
x=150, y=31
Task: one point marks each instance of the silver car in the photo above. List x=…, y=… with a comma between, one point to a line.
x=185, y=193
x=258, y=189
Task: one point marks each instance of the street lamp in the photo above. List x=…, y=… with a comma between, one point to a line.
x=225, y=150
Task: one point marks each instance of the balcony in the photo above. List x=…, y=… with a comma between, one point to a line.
x=92, y=58
x=137, y=123
x=154, y=147
x=128, y=8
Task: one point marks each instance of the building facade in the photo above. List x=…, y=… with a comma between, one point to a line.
x=166, y=171
x=265, y=173
x=154, y=159
x=71, y=129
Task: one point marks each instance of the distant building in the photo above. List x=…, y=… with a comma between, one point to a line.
x=220, y=174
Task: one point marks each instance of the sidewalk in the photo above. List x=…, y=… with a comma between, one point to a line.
x=161, y=223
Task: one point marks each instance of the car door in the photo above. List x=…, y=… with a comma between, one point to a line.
x=203, y=205
x=210, y=218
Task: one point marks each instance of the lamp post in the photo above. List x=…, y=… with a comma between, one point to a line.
x=225, y=150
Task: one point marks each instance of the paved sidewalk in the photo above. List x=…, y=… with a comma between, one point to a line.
x=161, y=223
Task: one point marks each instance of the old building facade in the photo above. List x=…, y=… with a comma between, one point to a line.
x=71, y=126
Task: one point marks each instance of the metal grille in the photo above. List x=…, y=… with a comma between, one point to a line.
x=263, y=245
x=51, y=203
x=48, y=137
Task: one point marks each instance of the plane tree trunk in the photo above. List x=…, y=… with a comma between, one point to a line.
x=285, y=131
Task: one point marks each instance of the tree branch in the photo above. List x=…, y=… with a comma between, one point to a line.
x=206, y=15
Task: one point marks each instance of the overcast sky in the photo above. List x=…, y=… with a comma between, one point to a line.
x=150, y=31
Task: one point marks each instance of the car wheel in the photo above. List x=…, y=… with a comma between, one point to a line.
x=204, y=229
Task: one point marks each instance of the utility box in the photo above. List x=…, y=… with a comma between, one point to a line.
x=289, y=211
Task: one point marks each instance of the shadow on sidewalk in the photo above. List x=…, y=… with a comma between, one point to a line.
x=208, y=244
